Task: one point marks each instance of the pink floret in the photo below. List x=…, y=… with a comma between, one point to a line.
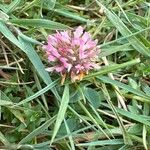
x=72, y=52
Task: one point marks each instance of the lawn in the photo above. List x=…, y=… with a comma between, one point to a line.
x=74, y=75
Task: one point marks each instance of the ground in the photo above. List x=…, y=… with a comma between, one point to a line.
x=108, y=109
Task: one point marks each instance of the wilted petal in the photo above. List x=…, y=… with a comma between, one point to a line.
x=44, y=47
x=74, y=77
x=79, y=68
x=69, y=67
x=95, y=66
x=50, y=69
x=87, y=66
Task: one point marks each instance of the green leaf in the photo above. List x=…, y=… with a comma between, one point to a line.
x=37, y=131
x=113, y=49
x=48, y=87
x=122, y=28
x=108, y=69
x=48, y=24
x=3, y=16
x=139, y=118
x=36, y=61
x=12, y=6
x=70, y=136
x=29, y=39
x=139, y=18
x=50, y=4
x=3, y=139
x=133, y=83
x=18, y=115
x=123, y=86
x=135, y=129
x=5, y=103
x=71, y=15
x=3, y=96
x=92, y=118
x=102, y=142
x=126, y=137
x=61, y=112
x=26, y=47
x=92, y=96
x=8, y=34
x=61, y=10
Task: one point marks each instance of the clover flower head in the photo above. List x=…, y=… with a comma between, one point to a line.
x=72, y=52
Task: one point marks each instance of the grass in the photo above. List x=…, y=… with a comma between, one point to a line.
x=108, y=109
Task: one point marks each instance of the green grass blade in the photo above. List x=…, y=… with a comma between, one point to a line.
x=113, y=49
x=8, y=34
x=79, y=116
x=126, y=137
x=121, y=39
x=5, y=103
x=39, y=23
x=29, y=39
x=48, y=3
x=139, y=118
x=123, y=86
x=71, y=15
x=48, y=87
x=37, y=131
x=12, y=6
x=139, y=18
x=70, y=136
x=133, y=116
x=3, y=139
x=93, y=119
x=122, y=28
x=36, y=61
x=18, y=115
x=101, y=120
x=102, y=143
x=26, y=46
x=61, y=112
x=3, y=16
x=2, y=7
x=61, y=10
x=111, y=68
x=145, y=137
